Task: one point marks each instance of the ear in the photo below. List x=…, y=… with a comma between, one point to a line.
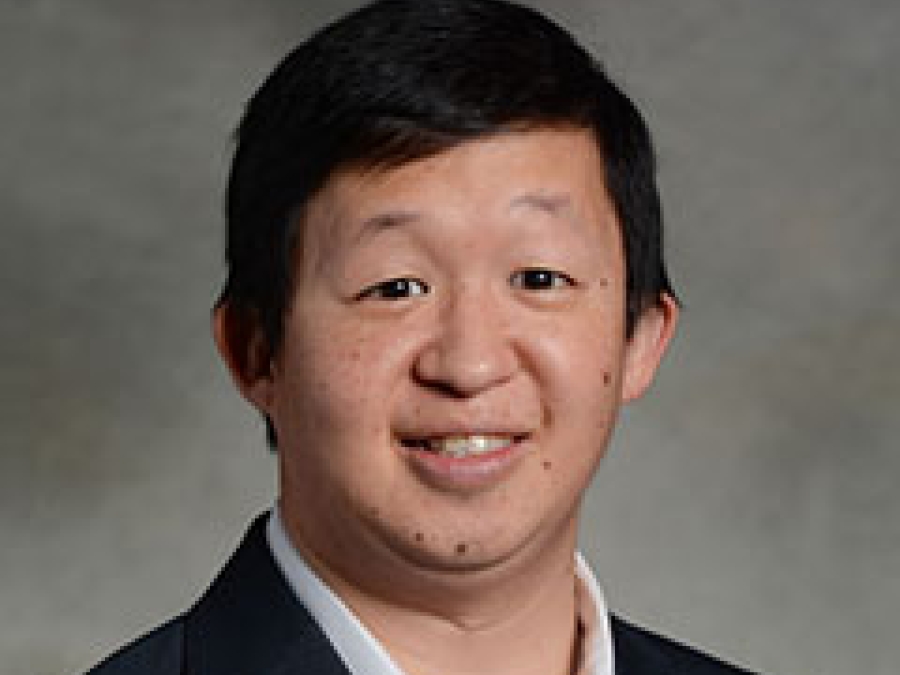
x=243, y=346
x=647, y=345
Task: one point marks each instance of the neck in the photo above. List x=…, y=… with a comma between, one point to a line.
x=524, y=627
x=517, y=617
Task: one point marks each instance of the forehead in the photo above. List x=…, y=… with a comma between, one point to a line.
x=555, y=172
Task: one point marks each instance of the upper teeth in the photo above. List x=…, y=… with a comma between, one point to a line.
x=461, y=446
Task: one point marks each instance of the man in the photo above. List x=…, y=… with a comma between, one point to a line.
x=445, y=276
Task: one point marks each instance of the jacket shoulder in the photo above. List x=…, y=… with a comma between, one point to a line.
x=159, y=652
x=639, y=652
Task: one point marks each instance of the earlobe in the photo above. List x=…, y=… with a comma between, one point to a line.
x=647, y=346
x=243, y=346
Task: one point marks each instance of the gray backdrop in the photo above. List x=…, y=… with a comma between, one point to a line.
x=749, y=504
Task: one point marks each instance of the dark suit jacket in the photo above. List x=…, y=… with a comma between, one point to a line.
x=249, y=622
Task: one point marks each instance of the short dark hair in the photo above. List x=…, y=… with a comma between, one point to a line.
x=399, y=80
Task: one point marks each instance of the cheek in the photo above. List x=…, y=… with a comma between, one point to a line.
x=579, y=367
x=325, y=389
x=581, y=371
x=329, y=415
x=338, y=381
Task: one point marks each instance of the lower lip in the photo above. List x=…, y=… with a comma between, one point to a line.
x=465, y=474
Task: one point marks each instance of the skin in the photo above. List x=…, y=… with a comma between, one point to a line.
x=478, y=290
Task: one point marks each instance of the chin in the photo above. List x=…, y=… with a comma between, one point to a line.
x=482, y=544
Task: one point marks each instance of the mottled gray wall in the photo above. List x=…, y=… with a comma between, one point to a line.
x=749, y=505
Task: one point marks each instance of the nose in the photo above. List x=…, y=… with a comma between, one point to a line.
x=471, y=350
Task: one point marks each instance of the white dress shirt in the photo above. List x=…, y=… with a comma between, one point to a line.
x=364, y=655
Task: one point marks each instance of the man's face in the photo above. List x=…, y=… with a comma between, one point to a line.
x=454, y=355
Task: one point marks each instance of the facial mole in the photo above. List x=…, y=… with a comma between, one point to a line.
x=547, y=464
x=607, y=378
x=461, y=549
x=420, y=537
x=603, y=282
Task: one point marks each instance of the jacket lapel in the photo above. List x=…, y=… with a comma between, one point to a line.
x=249, y=622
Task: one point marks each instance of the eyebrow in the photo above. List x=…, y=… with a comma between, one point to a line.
x=551, y=204
x=386, y=221
x=554, y=205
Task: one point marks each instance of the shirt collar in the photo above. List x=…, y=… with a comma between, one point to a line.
x=364, y=655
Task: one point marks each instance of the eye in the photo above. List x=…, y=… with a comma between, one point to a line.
x=541, y=279
x=395, y=289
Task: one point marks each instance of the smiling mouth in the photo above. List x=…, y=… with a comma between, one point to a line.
x=458, y=446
